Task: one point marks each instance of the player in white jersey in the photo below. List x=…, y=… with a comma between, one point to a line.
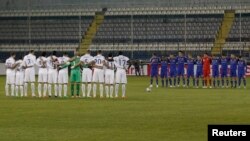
x=10, y=74
x=63, y=75
x=52, y=63
x=19, y=78
x=109, y=76
x=86, y=61
x=42, y=74
x=98, y=75
x=29, y=77
x=121, y=77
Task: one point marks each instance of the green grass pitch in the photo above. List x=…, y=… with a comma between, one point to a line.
x=162, y=115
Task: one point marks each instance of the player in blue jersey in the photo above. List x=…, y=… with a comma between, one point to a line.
x=190, y=69
x=164, y=71
x=199, y=70
x=215, y=71
x=242, y=71
x=181, y=59
x=233, y=67
x=224, y=70
x=154, y=61
x=172, y=71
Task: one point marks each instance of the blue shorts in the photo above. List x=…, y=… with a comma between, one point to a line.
x=241, y=74
x=164, y=73
x=223, y=73
x=172, y=73
x=199, y=74
x=232, y=73
x=154, y=74
x=215, y=73
x=180, y=72
x=190, y=73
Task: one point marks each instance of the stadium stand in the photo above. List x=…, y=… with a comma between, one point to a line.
x=135, y=30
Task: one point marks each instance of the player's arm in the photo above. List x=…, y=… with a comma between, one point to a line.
x=106, y=64
x=72, y=59
x=39, y=62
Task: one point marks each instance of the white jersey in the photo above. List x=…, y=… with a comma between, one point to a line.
x=10, y=73
x=121, y=61
x=51, y=62
x=20, y=66
x=99, y=60
x=87, y=58
x=63, y=73
x=19, y=73
x=10, y=62
x=29, y=60
x=110, y=65
x=63, y=60
x=41, y=62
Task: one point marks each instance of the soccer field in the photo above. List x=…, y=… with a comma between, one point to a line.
x=173, y=114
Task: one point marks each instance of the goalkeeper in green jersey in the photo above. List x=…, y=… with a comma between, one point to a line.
x=75, y=75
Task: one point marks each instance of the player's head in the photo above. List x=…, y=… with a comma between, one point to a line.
x=163, y=58
x=32, y=51
x=180, y=53
x=120, y=53
x=99, y=52
x=110, y=57
x=154, y=54
x=77, y=53
x=54, y=53
x=205, y=54
x=88, y=51
x=13, y=54
x=198, y=57
x=44, y=54
x=240, y=57
x=232, y=56
x=190, y=55
x=65, y=54
x=223, y=55
x=171, y=56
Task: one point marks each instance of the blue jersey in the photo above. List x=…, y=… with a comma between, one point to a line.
x=241, y=67
x=233, y=67
x=215, y=67
x=224, y=63
x=199, y=69
x=164, y=68
x=180, y=64
x=181, y=61
x=164, y=65
x=215, y=64
x=172, y=62
x=190, y=65
x=154, y=65
x=233, y=64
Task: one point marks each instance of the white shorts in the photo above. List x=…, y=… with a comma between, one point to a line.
x=109, y=76
x=29, y=75
x=63, y=77
x=98, y=75
x=19, y=78
x=43, y=75
x=52, y=76
x=10, y=78
x=121, y=76
x=86, y=75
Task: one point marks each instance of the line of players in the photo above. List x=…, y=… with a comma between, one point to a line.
x=53, y=71
x=172, y=70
